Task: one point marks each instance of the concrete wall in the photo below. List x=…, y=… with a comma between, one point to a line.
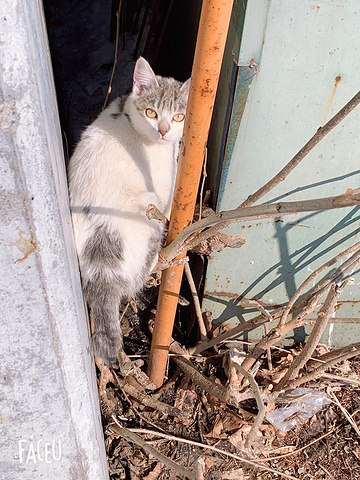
x=50, y=419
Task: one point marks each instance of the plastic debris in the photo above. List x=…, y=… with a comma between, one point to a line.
x=301, y=404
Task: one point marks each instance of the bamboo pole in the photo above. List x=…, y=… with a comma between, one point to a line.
x=210, y=45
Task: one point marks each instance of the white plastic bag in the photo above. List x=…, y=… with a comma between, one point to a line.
x=301, y=404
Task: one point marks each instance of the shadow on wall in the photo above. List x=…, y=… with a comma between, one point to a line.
x=291, y=264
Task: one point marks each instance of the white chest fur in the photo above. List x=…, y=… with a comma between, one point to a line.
x=113, y=167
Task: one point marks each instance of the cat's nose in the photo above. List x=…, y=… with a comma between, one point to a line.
x=163, y=127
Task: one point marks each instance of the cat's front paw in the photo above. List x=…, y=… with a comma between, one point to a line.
x=108, y=345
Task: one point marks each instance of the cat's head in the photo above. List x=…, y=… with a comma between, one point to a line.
x=160, y=104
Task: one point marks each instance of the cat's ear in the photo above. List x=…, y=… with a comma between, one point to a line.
x=144, y=77
x=185, y=88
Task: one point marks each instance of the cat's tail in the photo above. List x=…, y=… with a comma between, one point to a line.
x=103, y=298
x=101, y=262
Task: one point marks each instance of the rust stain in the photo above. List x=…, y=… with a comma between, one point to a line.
x=233, y=296
x=26, y=246
x=330, y=102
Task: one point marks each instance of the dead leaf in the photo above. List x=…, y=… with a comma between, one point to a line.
x=209, y=462
x=237, y=474
x=216, y=430
x=187, y=401
x=154, y=474
x=239, y=437
x=232, y=421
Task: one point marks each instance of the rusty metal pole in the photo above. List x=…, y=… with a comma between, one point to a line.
x=210, y=45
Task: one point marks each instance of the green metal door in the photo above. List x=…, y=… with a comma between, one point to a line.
x=290, y=66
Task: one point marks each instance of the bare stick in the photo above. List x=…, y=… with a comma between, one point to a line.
x=154, y=213
x=323, y=318
x=245, y=302
x=298, y=450
x=311, y=301
x=333, y=354
x=193, y=235
x=217, y=390
x=319, y=370
x=246, y=326
x=199, y=468
x=342, y=380
x=277, y=333
x=116, y=56
x=249, y=303
x=146, y=400
x=242, y=327
x=214, y=449
x=167, y=385
x=294, y=162
x=345, y=412
x=268, y=350
x=311, y=278
x=258, y=212
x=131, y=436
x=343, y=270
x=137, y=411
x=197, y=305
x=259, y=400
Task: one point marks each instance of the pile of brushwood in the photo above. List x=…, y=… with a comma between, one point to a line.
x=223, y=413
x=229, y=413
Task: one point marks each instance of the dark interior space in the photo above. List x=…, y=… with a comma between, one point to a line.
x=82, y=37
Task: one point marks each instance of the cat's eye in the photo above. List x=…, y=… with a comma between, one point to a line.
x=149, y=112
x=178, y=117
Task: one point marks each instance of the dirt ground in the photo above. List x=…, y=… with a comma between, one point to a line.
x=324, y=447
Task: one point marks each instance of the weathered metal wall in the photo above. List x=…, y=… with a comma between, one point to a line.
x=303, y=71
x=50, y=418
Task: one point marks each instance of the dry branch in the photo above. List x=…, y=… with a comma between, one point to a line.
x=346, y=413
x=146, y=400
x=323, y=318
x=294, y=162
x=153, y=213
x=277, y=333
x=242, y=327
x=116, y=55
x=196, y=300
x=349, y=352
x=257, y=394
x=312, y=277
x=206, y=228
x=217, y=390
x=132, y=437
x=294, y=304
x=298, y=450
x=333, y=355
x=308, y=304
x=210, y=447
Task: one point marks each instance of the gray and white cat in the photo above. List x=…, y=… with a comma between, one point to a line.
x=125, y=160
